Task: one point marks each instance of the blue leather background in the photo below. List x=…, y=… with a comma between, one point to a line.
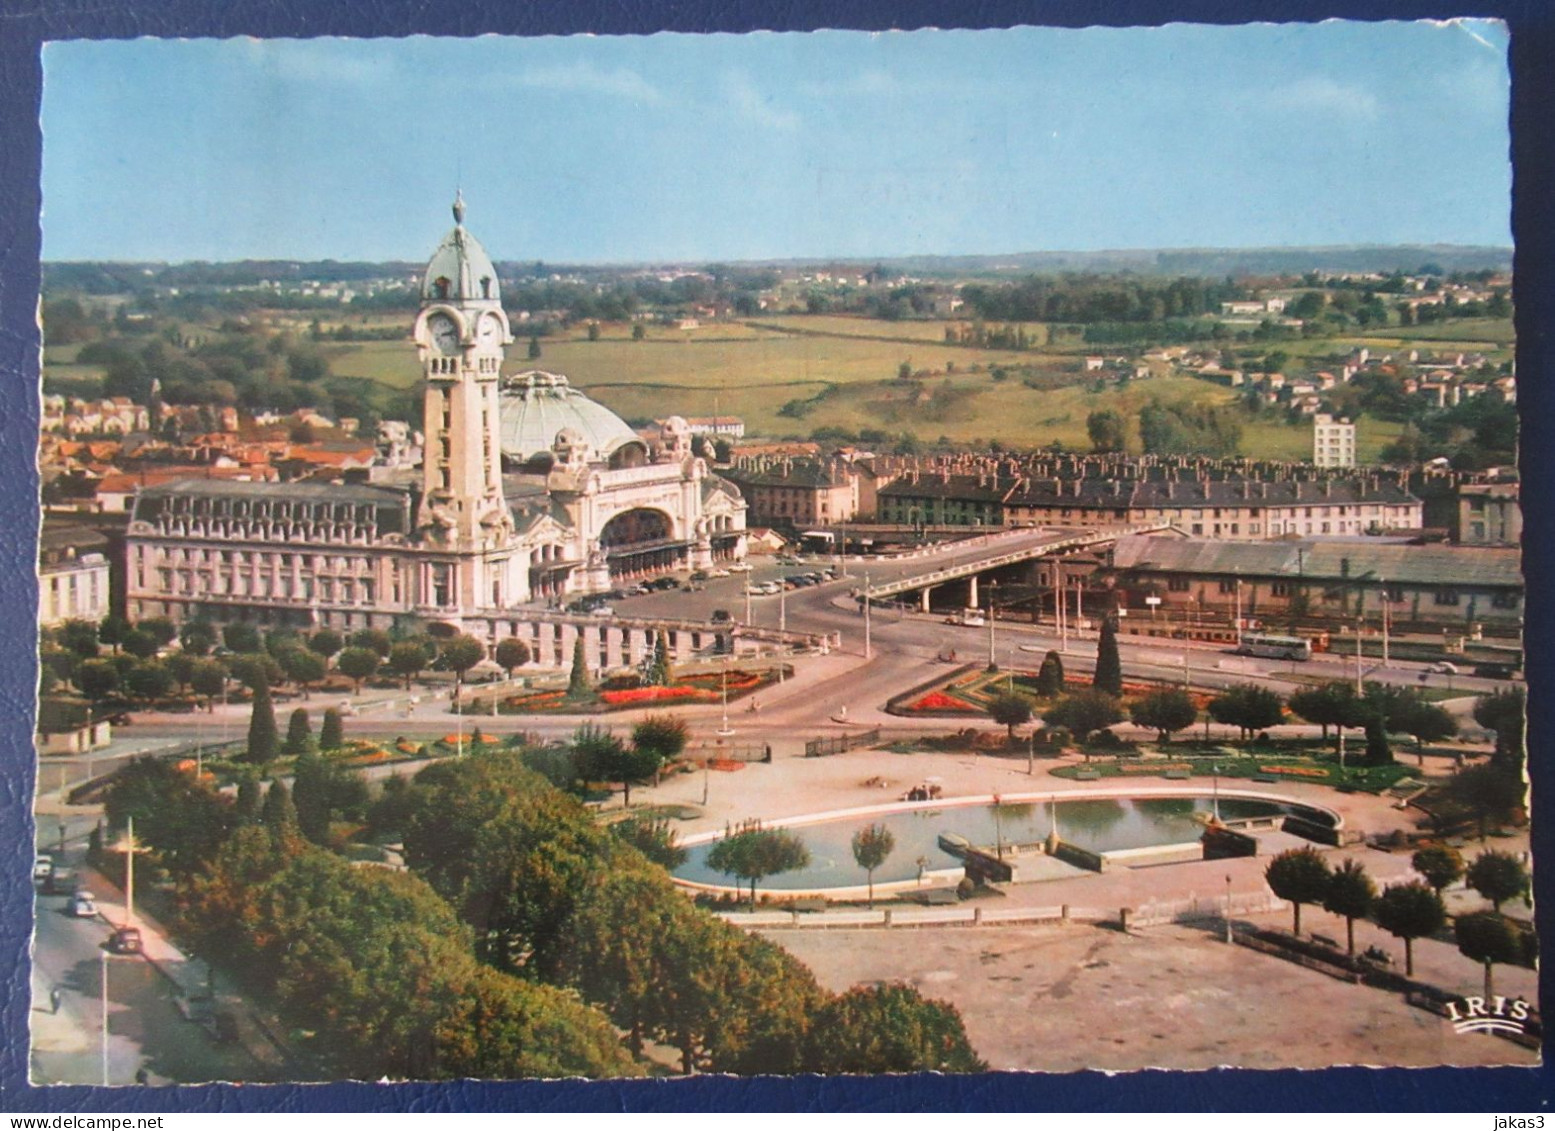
x=24, y=25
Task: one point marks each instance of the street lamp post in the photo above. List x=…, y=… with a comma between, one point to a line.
x=868, y=644
x=725, y=730
x=104, y=957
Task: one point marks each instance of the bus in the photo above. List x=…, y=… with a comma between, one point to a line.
x=1274, y=647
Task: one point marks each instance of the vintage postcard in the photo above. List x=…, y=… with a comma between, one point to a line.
x=840, y=553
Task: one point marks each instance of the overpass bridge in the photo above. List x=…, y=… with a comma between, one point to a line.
x=966, y=561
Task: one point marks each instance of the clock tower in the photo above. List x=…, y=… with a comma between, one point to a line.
x=461, y=332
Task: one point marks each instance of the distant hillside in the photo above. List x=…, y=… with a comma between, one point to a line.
x=111, y=277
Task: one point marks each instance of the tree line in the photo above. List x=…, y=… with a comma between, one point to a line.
x=526, y=939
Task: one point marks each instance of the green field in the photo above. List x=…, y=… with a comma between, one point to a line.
x=842, y=372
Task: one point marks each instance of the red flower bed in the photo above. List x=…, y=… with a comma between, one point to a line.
x=651, y=695
x=939, y=701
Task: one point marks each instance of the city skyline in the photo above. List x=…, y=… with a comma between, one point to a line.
x=673, y=147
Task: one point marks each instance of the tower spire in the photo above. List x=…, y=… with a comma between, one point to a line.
x=459, y=206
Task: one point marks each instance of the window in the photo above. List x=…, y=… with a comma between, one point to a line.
x=1503, y=601
x=1178, y=584
x=1280, y=589
x=1228, y=586
x=1198, y=528
x=1446, y=597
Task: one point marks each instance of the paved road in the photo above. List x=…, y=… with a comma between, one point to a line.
x=905, y=647
x=145, y=1028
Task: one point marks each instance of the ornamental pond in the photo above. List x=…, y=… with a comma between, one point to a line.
x=1099, y=824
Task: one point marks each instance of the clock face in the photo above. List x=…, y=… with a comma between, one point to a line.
x=491, y=330
x=444, y=332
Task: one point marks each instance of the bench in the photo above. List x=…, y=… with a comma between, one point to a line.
x=1087, y=775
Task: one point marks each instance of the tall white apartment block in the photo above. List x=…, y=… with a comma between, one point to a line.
x=1333, y=441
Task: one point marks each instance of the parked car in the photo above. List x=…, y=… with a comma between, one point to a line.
x=719, y=573
x=83, y=905
x=700, y=575
x=1496, y=671
x=602, y=611
x=126, y=940
x=42, y=867
x=721, y=616
x=60, y=880
x=1444, y=667
x=740, y=567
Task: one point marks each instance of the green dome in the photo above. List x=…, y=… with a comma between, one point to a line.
x=460, y=269
x=536, y=406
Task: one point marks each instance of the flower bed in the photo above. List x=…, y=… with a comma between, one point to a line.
x=635, y=695
x=939, y=701
x=1295, y=771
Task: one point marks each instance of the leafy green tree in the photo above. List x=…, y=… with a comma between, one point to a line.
x=374, y=640
x=139, y=643
x=1165, y=711
x=1378, y=750
x=148, y=680
x=1333, y=704
x=501, y=1027
x=534, y=347
x=1350, y=894
x=253, y=668
x=250, y=800
x=664, y=734
x=1490, y=793
x=357, y=664
x=627, y=763
x=578, y=685
x=1439, y=864
x=209, y=679
x=460, y=654
x=1247, y=707
x=180, y=665
x=80, y=637
x=302, y=667
x=750, y=852
x=240, y=637
x=654, y=838
x=407, y=659
x=1084, y=712
x=1428, y=722
x=160, y=629
x=299, y=734
x=281, y=639
x=1409, y=911
x=889, y=1028
x=1050, y=676
x=332, y=733
x=871, y=845
x=1010, y=711
x=112, y=629
x=326, y=642
x=263, y=740
x=197, y=637
x=1107, y=430
x=511, y=653
x=323, y=791
x=1498, y=876
x=180, y=820
x=661, y=670
x=1488, y=937
x=1298, y=875
x=1505, y=713
x=1109, y=664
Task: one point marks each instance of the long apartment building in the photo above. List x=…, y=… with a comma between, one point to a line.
x=1228, y=508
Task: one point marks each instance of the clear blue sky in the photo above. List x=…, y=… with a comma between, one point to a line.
x=682, y=147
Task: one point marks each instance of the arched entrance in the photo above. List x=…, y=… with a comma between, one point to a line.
x=641, y=541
